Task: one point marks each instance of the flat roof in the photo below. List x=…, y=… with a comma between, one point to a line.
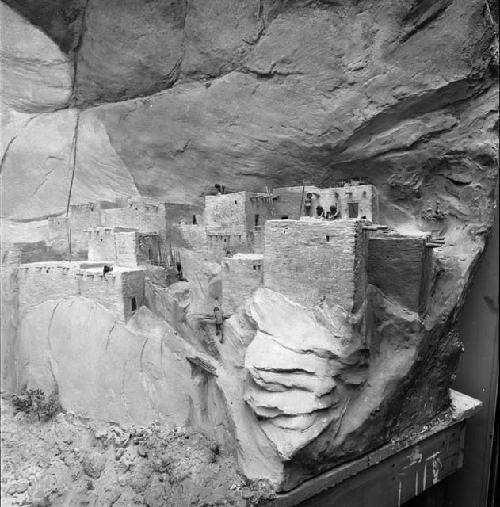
x=88, y=266
x=249, y=256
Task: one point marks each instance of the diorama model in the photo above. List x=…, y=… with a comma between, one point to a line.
x=303, y=322
x=235, y=240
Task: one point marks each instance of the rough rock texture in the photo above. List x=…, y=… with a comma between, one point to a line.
x=36, y=76
x=164, y=99
x=122, y=374
x=70, y=461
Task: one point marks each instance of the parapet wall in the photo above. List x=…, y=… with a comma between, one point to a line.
x=241, y=276
x=401, y=267
x=49, y=281
x=225, y=214
x=313, y=260
x=140, y=216
x=101, y=244
x=42, y=282
x=222, y=245
x=361, y=199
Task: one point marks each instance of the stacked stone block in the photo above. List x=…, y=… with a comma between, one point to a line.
x=401, y=267
x=39, y=282
x=311, y=261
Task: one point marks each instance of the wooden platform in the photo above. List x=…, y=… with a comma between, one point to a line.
x=396, y=472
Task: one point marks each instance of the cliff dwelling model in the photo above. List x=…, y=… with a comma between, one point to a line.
x=249, y=223
x=323, y=313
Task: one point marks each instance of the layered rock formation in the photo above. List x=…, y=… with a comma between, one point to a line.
x=106, y=99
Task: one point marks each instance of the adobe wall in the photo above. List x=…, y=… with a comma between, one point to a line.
x=241, y=276
x=45, y=281
x=101, y=244
x=288, y=202
x=401, y=267
x=308, y=260
x=183, y=214
x=218, y=245
x=125, y=248
x=106, y=291
x=225, y=214
x=132, y=286
x=84, y=216
x=366, y=198
x=193, y=237
x=58, y=228
x=40, y=282
x=141, y=216
x=258, y=205
x=148, y=249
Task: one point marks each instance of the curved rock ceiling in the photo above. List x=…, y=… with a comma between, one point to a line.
x=163, y=99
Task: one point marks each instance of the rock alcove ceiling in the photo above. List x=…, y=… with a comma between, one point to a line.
x=109, y=98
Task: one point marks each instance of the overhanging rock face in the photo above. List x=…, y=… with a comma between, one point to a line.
x=108, y=99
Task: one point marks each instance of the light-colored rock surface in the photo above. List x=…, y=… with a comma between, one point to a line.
x=120, y=374
x=129, y=48
x=36, y=75
x=37, y=171
x=250, y=94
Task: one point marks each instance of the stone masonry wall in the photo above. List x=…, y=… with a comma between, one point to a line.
x=101, y=244
x=308, y=260
x=148, y=249
x=126, y=248
x=225, y=214
x=218, y=245
x=259, y=208
x=289, y=201
x=140, y=216
x=132, y=286
x=183, y=214
x=84, y=216
x=241, y=276
x=400, y=266
x=365, y=196
x=45, y=281
x=106, y=291
x=58, y=228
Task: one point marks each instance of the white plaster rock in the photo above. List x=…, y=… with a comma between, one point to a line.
x=37, y=166
x=292, y=362
x=105, y=369
x=295, y=328
x=36, y=74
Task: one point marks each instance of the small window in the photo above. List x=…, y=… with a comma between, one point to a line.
x=327, y=238
x=194, y=220
x=256, y=219
x=353, y=209
x=235, y=202
x=254, y=267
x=150, y=254
x=225, y=240
x=134, y=304
x=284, y=217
